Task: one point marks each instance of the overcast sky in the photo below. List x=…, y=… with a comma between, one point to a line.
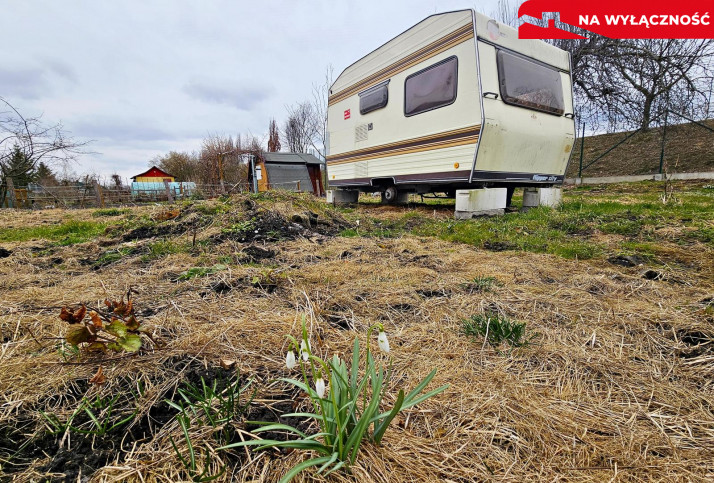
x=141, y=78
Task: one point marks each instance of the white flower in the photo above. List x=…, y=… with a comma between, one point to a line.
x=304, y=350
x=320, y=387
x=290, y=360
x=383, y=341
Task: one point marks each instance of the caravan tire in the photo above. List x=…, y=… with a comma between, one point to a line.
x=390, y=195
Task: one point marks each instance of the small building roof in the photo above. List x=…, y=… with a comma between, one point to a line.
x=296, y=158
x=154, y=172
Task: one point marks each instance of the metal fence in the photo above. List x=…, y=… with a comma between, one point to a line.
x=87, y=195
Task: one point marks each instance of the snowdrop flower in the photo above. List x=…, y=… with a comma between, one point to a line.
x=304, y=350
x=290, y=360
x=383, y=341
x=320, y=386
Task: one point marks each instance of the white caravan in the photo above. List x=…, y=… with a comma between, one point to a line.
x=455, y=102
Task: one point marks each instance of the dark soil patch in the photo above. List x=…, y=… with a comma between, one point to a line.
x=87, y=452
x=144, y=232
x=273, y=413
x=221, y=287
x=653, y=275
x=402, y=307
x=626, y=260
x=270, y=226
x=698, y=343
x=256, y=254
x=4, y=253
x=694, y=337
x=339, y=317
x=431, y=293
x=499, y=246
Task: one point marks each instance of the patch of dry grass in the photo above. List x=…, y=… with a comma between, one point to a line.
x=617, y=385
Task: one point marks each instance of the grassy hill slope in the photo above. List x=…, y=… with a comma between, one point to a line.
x=689, y=146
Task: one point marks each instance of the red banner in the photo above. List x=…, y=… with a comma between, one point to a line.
x=637, y=19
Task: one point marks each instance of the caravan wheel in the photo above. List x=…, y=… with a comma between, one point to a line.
x=389, y=195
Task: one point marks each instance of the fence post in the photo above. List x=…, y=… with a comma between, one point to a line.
x=169, y=194
x=11, y=193
x=582, y=149
x=664, y=137
x=98, y=194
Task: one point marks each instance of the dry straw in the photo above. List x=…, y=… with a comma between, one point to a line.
x=613, y=389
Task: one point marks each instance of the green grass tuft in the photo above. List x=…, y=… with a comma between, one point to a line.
x=111, y=212
x=67, y=233
x=497, y=329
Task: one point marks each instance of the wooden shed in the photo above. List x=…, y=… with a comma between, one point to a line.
x=289, y=171
x=153, y=175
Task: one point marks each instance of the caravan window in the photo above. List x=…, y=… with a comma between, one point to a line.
x=530, y=84
x=431, y=88
x=374, y=98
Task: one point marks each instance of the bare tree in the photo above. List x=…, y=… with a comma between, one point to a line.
x=33, y=141
x=627, y=84
x=273, y=137
x=37, y=141
x=116, y=181
x=217, y=153
x=182, y=165
x=320, y=95
x=656, y=76
x=301, y=127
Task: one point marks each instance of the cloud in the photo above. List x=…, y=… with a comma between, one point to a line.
x=24, y=83
x=35, y=82
x=121, y=130
x=61, y=69
x=241, y=95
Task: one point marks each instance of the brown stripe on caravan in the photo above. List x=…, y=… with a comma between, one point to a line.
x=456, y=37
x=458, y=137
x=462, y=175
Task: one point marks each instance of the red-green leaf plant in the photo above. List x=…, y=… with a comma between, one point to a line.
x=347, y=407
x=115, y=328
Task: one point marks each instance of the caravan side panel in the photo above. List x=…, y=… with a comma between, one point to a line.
x=435, y=145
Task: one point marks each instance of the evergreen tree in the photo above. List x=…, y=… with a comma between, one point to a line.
x=45, y=176
x=19, y=167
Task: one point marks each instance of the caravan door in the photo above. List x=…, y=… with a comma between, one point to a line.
x=528, y=129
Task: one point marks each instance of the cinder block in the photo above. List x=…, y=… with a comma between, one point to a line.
x=342, y=197
x=531, y=198
x=551, y=197
x=480, y=202
x=534, y=197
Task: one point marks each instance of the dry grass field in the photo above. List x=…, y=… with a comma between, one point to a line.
x=615, y=291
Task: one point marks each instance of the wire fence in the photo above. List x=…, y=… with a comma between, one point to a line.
x=88, y=195
x=96, y=195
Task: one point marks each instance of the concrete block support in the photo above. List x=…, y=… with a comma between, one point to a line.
x=531, y=198
x=330, y=196
x=343, y=197
x=480, y=202
x=551, y=197
x=534, y=197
